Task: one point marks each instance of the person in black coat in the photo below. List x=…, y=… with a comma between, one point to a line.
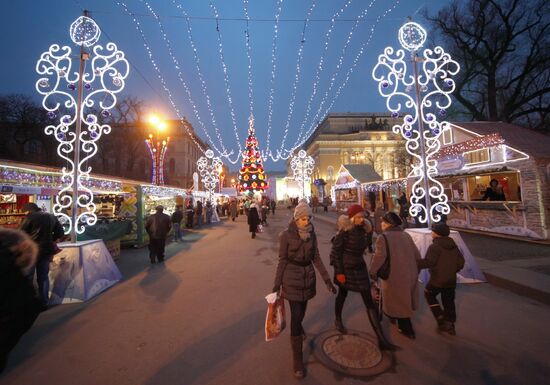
x=253, y=219
x=19, y=305
x=45, y=230
x=351, y=272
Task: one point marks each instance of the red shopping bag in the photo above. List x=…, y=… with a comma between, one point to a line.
x=275, y=317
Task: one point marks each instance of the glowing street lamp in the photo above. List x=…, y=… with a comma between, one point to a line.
x=423, y=94
x=157, y=144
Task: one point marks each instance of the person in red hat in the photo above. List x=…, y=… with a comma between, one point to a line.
x=351, y=272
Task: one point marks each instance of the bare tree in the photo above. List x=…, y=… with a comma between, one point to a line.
x=504, y=51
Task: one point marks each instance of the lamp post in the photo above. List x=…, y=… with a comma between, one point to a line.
x=302, y=168
x=157, y=145
x=96, y=85
x=424, y=94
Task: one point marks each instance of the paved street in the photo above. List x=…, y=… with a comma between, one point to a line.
x=198, y=319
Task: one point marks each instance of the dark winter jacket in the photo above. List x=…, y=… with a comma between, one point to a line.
x=158, y=226
x=295, y=269
x=346, y=256
x=444, y=260
x=44, y=229
x=253, y=219
x=177, y=216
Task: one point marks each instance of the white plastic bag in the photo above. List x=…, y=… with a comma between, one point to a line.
x=275, y=318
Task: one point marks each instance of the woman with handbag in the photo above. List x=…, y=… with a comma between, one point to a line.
x=351, y=274
x=395, y=262
x=298, y=253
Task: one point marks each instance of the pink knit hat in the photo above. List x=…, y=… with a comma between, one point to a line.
x=354, y=209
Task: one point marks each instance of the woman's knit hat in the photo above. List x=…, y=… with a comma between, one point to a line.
x=392, y=218
x=302, y=210
x=354, y=209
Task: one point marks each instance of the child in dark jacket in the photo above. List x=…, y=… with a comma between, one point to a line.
x=444, y=260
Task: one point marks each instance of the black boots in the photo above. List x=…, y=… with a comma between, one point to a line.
x=383, y=343
x=297, y=357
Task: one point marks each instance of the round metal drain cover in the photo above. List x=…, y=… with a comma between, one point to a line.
x=354, y=354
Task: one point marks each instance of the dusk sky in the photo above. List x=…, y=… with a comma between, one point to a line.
x=30, y=27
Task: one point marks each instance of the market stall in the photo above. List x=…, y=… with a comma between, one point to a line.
x=348, y=188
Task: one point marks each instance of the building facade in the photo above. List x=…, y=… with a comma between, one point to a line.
x=357, y=138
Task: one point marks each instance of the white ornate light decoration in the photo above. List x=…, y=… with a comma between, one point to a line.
x=209, y=167
x=420, y=94
x=302, y=168
x=95, y=89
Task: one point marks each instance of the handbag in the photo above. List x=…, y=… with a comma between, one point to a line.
x=384, y=270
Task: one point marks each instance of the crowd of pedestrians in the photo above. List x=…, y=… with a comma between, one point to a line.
x=393, y=272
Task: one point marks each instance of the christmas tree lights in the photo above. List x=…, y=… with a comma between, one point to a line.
x=252, y=176
x=79, y=129
x=421, y=95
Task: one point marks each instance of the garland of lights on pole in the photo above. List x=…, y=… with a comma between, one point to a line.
x=96, y=88
x=302, y=167
x=420, y=96
x=209, y=167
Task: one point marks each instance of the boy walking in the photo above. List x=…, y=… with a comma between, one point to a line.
x=444, y=260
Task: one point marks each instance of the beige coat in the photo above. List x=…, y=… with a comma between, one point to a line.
x=400, y=290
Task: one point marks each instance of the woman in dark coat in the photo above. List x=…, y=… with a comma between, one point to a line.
x=400, y=290
x=298, y=252
x=253, y=219
x=351, y=272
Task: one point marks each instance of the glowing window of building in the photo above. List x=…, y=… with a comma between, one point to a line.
x=448, y=136
x=477, y=156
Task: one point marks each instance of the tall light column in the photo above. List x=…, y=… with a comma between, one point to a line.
x=157, y=144
x=302, y=167
x=209, y=167
x=423, y=94
x=96, y=85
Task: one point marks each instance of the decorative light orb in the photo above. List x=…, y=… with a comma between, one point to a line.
x=105, y=113
x=442, y=113
x=301, y=154
x=93, y=134
x=71, y=86
x=408, y=134
x=245, y=185
x=424, y=88
x=117, y=81
x=62, y=72
x=429, y=117
x=61, y=135
x=409, y=119
x=412, y=36
x=209, y=154
x=395, y=114
x=449, y=83
x=436, y=132
x=385, y=84
x=84, y=31
x=90, y=119
x=51, y=115
x=66, y=120
x=408, y=89
x=43, y=83
x=254, y=176
x=88, y=86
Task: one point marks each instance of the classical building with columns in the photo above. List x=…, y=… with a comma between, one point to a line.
x=357, y=138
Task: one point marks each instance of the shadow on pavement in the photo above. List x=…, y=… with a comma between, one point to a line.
x=209, y=356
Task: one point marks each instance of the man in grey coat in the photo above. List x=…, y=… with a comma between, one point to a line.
x=158, y=226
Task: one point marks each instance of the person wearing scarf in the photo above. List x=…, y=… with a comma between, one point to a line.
x=351, y=274
x=295, y=277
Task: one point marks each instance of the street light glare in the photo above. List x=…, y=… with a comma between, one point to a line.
x=154, y=119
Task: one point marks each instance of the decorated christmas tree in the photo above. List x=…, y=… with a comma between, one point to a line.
x=251, y=176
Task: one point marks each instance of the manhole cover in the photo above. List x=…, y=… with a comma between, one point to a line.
x=354, y=354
